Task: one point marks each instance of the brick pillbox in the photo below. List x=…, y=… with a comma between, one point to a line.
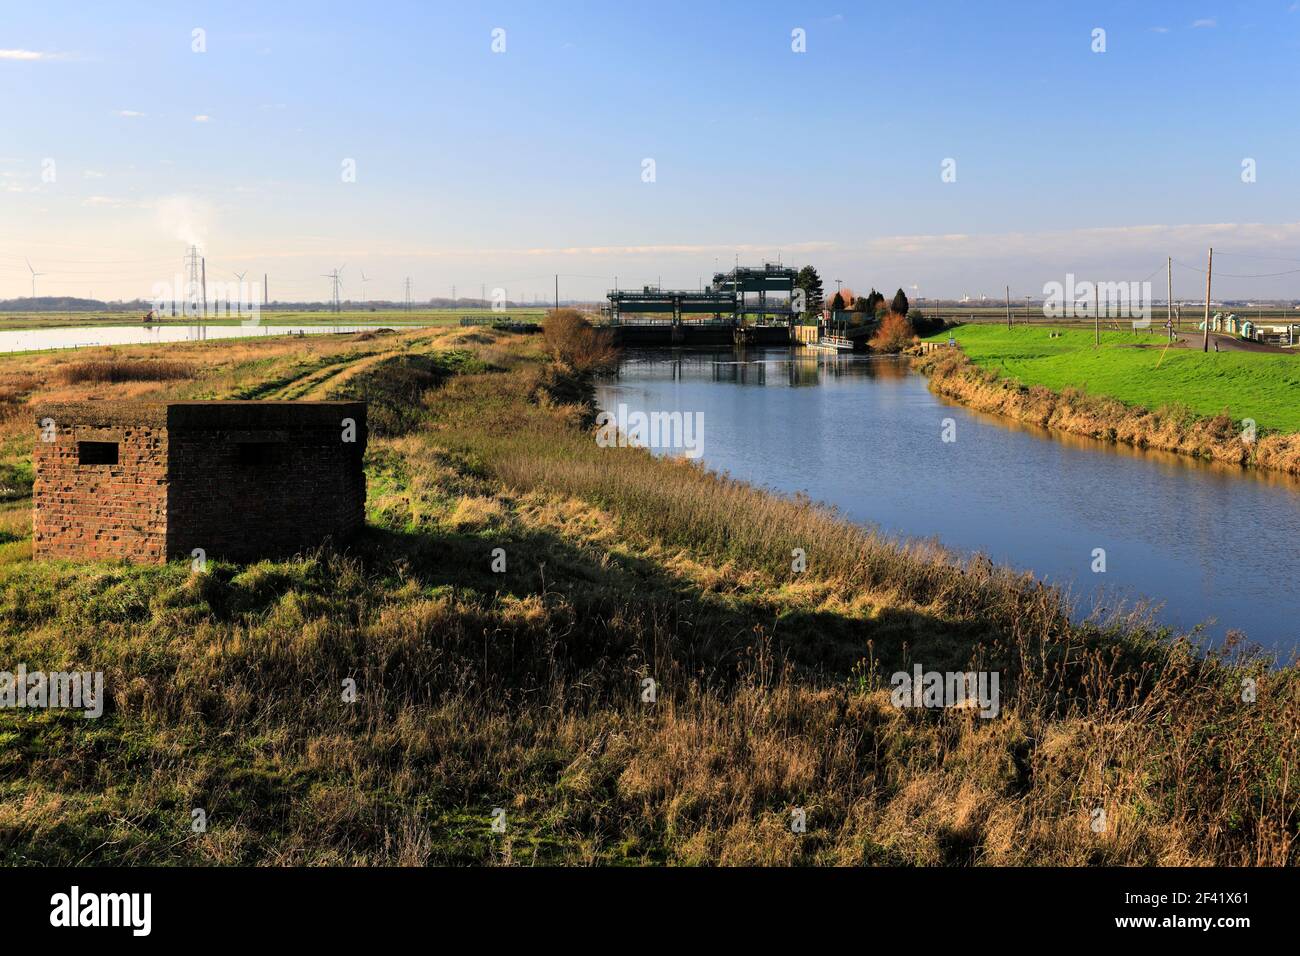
x=150, y=481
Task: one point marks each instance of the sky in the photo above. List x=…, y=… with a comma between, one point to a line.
x=948, y=148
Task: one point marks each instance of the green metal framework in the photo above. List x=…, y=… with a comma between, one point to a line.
x=726, y=298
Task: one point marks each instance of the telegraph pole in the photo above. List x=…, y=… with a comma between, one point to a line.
x=1209, y=276
x=205, y=286
x=265, y=300
x=1008, y=307
x=1169, y=302
x=557, y=293
x=1096, y=318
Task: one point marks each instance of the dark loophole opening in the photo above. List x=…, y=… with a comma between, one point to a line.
x=97, y=452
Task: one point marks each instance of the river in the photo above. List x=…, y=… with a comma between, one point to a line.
x=74, y=337
x=1208, y=544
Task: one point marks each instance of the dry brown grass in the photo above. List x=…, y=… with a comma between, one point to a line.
x=124, y=370
x=522, y=690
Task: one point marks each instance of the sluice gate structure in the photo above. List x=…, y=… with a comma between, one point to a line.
x=733, y=310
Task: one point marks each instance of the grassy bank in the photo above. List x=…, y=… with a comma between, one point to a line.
x=1130, y=390
x=524, y=689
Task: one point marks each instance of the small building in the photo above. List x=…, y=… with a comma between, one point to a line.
x=151, y=481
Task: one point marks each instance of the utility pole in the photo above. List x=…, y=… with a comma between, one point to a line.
x=205, y=286
x=1096, y=318
x=557, y=293
x=1026, y=310
x=1209, y=277
x=1169, y=302
x=1008, y=307
x=265, y=299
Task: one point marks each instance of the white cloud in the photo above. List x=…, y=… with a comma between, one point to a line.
x=92, y=174
x=202, y=118
x=184, y=218
x=1204, y=22
x=108, y=202
x=1159, y=29
x=29, y=55
x=129, y=114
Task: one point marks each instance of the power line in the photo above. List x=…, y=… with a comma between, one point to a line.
x=1231, y=275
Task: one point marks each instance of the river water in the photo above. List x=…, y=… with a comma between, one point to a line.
x=30, y=340
x=1208, y=544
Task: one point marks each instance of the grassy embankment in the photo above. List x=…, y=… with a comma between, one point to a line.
x=523, y=690
x=1131, y=390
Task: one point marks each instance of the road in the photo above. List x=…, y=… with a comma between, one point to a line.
x=1230, y=343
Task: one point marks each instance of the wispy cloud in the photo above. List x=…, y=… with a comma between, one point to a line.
x=1204, y=22
x=202, y=118
x=1159, y=29
x=30, y=55
x=129, y=114
x=108, y=202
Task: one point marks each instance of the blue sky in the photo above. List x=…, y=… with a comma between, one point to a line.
x=478, y=168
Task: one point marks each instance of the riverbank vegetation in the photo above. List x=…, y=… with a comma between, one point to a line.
x=517, y=692
x=1131, y=390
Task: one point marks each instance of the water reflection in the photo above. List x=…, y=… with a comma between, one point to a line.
x=1213, y=542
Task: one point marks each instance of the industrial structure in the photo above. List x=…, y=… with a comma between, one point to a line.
x=736, y=298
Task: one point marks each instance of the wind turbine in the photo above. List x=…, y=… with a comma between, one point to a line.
x=35, y=275
x=364, y=280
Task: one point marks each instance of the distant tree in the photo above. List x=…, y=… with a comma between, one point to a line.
x=923, y=324
x=900, y=303
x=875, y=302
x=811, y=283
x=861, y=304
x=837, y=303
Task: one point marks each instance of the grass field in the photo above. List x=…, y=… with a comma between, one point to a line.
x=1137, y=370
x=524, y=690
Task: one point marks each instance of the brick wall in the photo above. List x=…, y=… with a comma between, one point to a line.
x=100, y=511
x=240, y=480
x=255, y=479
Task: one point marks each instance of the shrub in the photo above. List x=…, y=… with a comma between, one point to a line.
x=894, y=334
x=573, y=341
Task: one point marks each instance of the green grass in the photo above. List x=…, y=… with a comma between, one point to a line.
x=1136, y=370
